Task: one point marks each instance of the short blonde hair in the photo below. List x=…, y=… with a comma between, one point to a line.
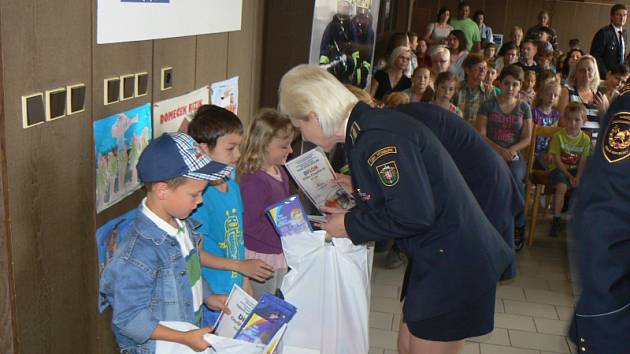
x=596, y=80
x=307, y=89
x=440, y=51
x=398, y=51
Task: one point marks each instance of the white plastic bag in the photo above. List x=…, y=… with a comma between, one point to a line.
x=220, y=345
x=328, y=283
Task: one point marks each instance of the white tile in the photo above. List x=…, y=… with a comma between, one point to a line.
x=510, y=292
x=498, y=306
x=498, y=336
x=381, y=320
x=499, y=349
x=387, y=305
x=396, y=322
x=548, y=297
x=383, y=290
x=565, y=313
x=539, y=341
x=504, y=320
x=529, y=282
x=548, y=326
x=383, y=339
x=529, y=309
x=471, y=348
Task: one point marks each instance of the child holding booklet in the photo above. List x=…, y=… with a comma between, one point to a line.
x=264, y=182
x=218, y=132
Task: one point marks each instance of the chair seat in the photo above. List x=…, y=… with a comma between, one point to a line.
x=539, y=177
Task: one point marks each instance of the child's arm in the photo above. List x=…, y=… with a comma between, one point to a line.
x=247, y=286
x=526, y=137
x=193, y=339
x=563, y=168
x=253, y=268
x=581, y=167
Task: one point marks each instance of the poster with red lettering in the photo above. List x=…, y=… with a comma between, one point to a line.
x=174, y=114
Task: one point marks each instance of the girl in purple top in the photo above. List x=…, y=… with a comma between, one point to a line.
x=264, y=182
x=545, y=113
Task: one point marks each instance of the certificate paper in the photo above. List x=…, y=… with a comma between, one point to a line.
x=240, y=304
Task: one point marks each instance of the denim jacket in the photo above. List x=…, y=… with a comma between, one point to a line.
x=146, y=283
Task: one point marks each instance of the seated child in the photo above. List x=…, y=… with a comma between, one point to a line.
x=569, y=149
x=615, y=79
x=395, y=99
x=155, y=273
x=218, y=132
x=491, y=77
x=420, y=90
x=490, y=51
x=445, y=89
x=527, y=92
x=545, y=113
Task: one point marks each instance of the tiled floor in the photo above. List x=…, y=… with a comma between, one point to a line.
x=532, y=310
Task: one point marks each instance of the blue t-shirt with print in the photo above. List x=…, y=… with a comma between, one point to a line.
x=221, y=218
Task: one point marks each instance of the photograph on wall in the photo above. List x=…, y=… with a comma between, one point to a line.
x=174, y=114
x=342, y=38
x=118, y=141
x=137, y=20
x=225, y=94
x=109, y=236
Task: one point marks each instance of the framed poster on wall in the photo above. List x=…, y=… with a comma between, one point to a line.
x=137, y=20
x=342, y=39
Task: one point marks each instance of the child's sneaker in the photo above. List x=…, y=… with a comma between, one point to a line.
x=519, y=238
x=555, y=227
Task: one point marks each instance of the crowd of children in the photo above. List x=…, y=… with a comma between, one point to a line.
x=471, y=84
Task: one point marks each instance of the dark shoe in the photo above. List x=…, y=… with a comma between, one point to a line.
x=556, y=227
x=393, y=260
x=519, y=238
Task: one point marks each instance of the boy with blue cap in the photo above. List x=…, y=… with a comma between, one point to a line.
x=155, y=274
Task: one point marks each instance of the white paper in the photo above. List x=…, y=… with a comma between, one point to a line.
x=314, y=175
x=225, y=94
x=174, y=115
x=135, y=20
x=240, y=304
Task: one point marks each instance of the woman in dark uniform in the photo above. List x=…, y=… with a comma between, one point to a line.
x=407, y=189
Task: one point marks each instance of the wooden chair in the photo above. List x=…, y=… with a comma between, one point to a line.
x=538, y=180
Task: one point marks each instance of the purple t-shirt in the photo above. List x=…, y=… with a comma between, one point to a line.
x=504, y=129
x=546, y=120
x=259, y=190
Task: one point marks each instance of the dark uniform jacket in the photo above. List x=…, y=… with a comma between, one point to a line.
x=601, y=230
x=485, y=172
x=605, y=48
x=409, y=189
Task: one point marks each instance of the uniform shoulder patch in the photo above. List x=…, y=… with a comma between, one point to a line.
x=382, y=152
x=616, y=143
x=388, y=173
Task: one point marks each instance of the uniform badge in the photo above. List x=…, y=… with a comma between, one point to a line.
x=388, y=173
x=616, y=144
x=382, y=152
x=354, y=131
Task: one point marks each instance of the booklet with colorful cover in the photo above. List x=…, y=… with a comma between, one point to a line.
x=266, y=320
x=288, y=217
x=315, y=176
x=240, y=304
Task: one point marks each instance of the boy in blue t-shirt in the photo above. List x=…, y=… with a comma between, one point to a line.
x=154, y=275
x=219, y=132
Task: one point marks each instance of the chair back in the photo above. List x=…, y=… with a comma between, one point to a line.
x=539, y=131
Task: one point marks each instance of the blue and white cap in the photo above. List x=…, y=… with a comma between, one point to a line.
x=178, y=154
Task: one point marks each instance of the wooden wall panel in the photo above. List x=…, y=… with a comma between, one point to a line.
x=211, y=63
x=49, y=175
x=245, y=65
x=178, y=53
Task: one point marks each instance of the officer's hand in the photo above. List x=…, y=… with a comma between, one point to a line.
x=345, y=181
x=334, y=225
